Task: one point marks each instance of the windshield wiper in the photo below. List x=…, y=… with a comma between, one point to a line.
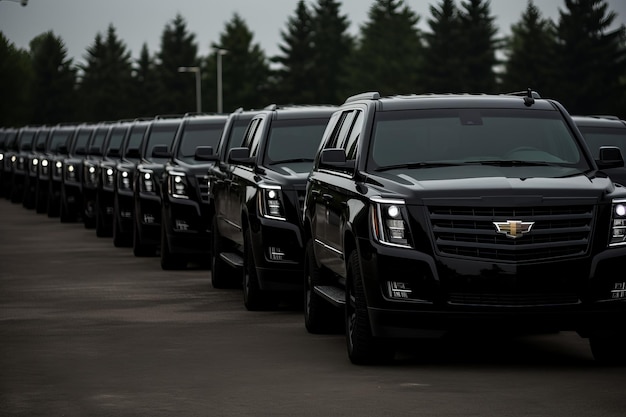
x=419, y=165
x=511, y=163
x=289, y=161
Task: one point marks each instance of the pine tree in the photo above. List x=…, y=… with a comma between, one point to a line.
x=388, y=54
x=177, y=90
x=530, y=53
x=333, y=47
x=105, y=90
x=478, y=46
x=15, y=79
x=292, y=82
x=146, y=84
x=53, y=98
x=591, y=59
x=245, y=68
x=441, y=65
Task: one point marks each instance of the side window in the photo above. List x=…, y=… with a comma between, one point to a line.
x=256, y=139
x=351, y=144
x=249, y=135
x=341, y=129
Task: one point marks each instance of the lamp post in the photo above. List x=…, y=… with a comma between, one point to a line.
x=195, y=70
x=220, y=52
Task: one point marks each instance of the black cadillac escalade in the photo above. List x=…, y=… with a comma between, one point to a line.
x=426, y=214
x=258, y=193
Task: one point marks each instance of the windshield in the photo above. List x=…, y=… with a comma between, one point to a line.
x=134, y=141
x=116, y=138
x=504, y=137
x=160, y=135
x=204, y=134
x=82, y=139
x=59, y=137
x=26, y=139
x=294, y=140
x=599, y=136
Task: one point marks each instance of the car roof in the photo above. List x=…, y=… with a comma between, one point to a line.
x=599, y=121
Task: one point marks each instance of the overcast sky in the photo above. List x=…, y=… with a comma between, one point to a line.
x=142, y=21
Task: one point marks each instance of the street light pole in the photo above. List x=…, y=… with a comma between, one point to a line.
x=219, y=52
x=195, y=70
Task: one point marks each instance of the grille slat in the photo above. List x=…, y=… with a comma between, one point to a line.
x=557, y=232
x=203, y=187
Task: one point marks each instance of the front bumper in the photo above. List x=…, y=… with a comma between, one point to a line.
x=584, y=294
x=278, y=253
x=188, y=226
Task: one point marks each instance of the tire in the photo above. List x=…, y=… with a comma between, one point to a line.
x=320, y=316
x=608, y=349
x=141, y=250
x=219, y=269
x=254, y=299
x=363, y=347
x=170, y=261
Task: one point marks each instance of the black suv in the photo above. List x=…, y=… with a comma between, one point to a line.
x=258, y=197
x=106, y=179
x=433, y=213
x=155, y=151
x=70, y=207
x=185, y=232
x=7, y=155
x=91, y=172
x=58, y=140
x=32, y=166
x=123, y=200
x=20, y=162
x=601, y=131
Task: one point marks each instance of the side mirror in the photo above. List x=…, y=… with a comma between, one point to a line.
x=335, y=158
x=27, y=147
x=161, y=151
x=62, y=149
x=80, y=151
x=240, y=156
x=205, y=153
x=610, y=157
x=115, y=152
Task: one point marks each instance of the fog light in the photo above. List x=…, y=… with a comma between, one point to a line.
x=276, y=254
x=398, y=289
x=148, y=218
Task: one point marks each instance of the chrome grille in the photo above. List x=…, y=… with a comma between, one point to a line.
x=558, y=232
x=203, y=187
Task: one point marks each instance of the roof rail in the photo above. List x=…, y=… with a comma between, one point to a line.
x=371, y=95
x=167, y=116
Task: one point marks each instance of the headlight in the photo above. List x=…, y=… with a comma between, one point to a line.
x=124, y=180
x=177, y=185
x=1, y=157
x=90, y=173
x=389, y=222
x=271, y=202
x=71, y=173
x=108, y=177
x=58, y=169
x=618, y=223
x=146, y=181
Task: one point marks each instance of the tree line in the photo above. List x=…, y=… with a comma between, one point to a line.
x=579, y=59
